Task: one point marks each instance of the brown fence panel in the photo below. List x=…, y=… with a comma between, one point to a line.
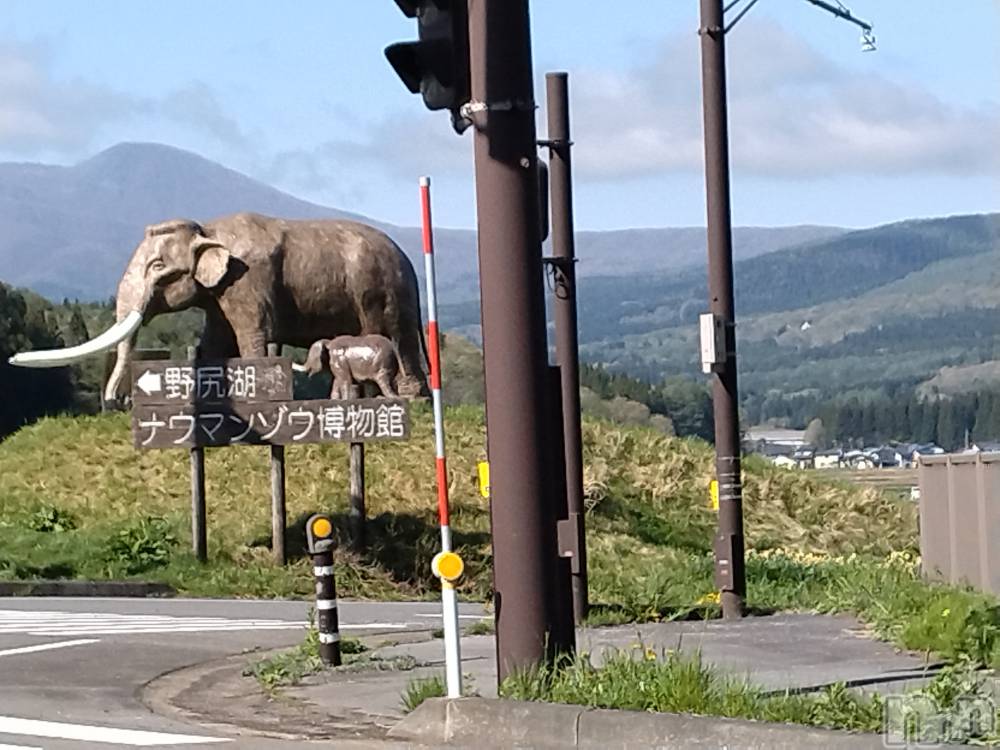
x=960, y=519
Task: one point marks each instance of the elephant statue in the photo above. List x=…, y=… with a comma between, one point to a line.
x=355, y=360
x=264, y=280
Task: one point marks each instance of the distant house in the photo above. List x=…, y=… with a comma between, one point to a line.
x=857, y=459
x=775, y=436
x=831, y=459
x=785, y=462
x=888, y=457
x=912, y=452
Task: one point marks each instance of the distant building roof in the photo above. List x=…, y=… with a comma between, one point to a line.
x=776, y=435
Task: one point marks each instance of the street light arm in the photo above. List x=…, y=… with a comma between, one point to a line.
x=841, y=12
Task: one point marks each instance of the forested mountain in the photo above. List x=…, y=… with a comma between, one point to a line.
x=828, y=320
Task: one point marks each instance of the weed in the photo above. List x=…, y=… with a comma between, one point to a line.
x=420, y=689
x=288, y=667
x=481, y=627
x=49, y=518
x=141, y=545
x=669, y=682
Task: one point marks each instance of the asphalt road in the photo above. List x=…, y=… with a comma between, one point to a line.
x=71, y=670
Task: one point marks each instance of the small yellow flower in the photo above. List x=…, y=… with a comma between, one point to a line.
x=945, y=612
x=712, y=598
x=650, y=655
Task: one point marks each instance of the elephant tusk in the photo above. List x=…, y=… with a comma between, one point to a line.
x=298, y=368
x=59, y=357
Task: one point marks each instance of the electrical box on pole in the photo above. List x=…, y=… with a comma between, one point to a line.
x=437, y=65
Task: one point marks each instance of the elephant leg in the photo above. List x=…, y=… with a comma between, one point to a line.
x=252, y=343
x=384, y=383
x=412, y=380
x=342, y=381
x=218, y=341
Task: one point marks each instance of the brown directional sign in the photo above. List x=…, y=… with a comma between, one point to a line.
x=187, y=425
x=211, y=381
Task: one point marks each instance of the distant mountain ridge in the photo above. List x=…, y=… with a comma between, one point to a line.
x=70, y=230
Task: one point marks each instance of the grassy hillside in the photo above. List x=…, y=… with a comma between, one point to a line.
x=74, y=487
x=864, y=312
x=79, y=502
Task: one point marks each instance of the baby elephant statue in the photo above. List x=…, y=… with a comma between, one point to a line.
x=355, y=360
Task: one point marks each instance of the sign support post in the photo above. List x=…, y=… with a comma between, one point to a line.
x=279, y=515
x=199, y=515
x=357, y=512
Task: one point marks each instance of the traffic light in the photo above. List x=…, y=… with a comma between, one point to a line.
x=436, y=66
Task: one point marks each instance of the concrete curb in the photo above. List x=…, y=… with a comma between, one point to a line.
x=218, y=694
x=482, y=723
x=86, y=588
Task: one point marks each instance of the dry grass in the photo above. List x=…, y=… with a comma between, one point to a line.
x=646, y=492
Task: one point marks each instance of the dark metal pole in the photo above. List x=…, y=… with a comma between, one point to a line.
x=279, y=515
x=513, y=324
x=567, y=345
x=357, y=488
x=199, y=520
x=730, y=576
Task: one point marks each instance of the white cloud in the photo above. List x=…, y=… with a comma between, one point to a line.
x=792, y=113
x=38, y=112
x=43, y=114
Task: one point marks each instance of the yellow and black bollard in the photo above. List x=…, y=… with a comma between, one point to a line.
x=319, y=537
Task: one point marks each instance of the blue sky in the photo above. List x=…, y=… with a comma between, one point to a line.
x=299, y=95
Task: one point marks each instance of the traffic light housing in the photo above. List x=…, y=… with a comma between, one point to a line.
x=436, y=66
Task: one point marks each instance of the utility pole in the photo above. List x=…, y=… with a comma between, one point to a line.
x=718, y=327
x=515, y=357
x=567, y=345
x=730, y=575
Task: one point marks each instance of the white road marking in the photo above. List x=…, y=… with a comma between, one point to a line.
x=46, y=647
x=19, y=747
x=460, y=617
x=52, y=623
x=89, y=733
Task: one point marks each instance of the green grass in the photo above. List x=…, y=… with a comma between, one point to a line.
x=291, y=666
x=670, y=682
x=420, y=689
x=643, y=680
x=78, y=501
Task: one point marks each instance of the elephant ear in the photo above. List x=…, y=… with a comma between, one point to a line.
x=211, y=261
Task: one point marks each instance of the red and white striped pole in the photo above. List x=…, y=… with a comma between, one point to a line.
x=434, y=354
x=446, y=564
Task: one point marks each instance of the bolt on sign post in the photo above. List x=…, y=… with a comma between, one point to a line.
x=319, y=540
x=730, y=576
x=445, y=562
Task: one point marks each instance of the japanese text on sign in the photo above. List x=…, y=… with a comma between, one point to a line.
x=279, y=423
x=178, y=381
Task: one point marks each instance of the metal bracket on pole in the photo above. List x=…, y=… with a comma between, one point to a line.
x=713, y=343
x=568, y=532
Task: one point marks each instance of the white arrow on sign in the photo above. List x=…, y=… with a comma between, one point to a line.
x=149, y=383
